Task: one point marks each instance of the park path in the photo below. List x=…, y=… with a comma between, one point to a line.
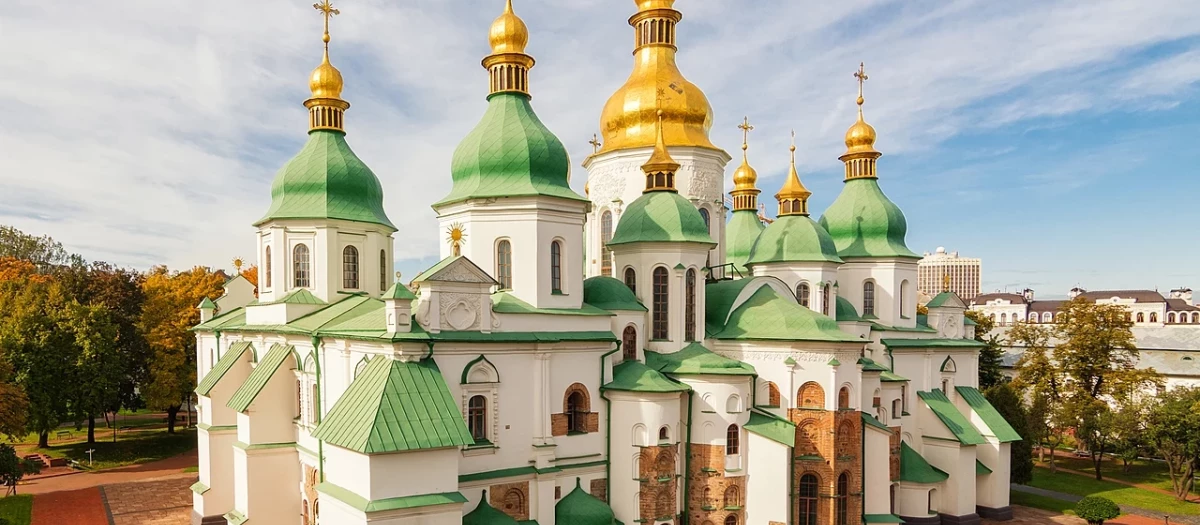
x=167, y=468
x=77, y=507
x=1092, y=474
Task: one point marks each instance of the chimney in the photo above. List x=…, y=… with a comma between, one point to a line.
x=1028, y=293
x=397, y=307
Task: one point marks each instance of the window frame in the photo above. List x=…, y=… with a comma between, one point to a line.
x=606, y=232
x=350, y=267
x=661, y=304
x=689, y=306
x=733, y=440
x=868, y=301
x=504, y=268
x=556, y=277
x=301, y=266
x=804, y=294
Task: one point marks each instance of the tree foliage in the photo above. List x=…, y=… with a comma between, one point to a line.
x=13, y=468
x=1173, y=430
x=167, y=317
x=1096, y=509
x=1008, y=403
x=991, y=355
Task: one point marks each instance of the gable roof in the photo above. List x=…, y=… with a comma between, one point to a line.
x=695, y=359
x=955, y=422
x=772, y=427
x=766, y=315
x=395, y=406
x=946, y=300
x=633, y=376
x=991, y=417
x=1141, y=296
x=915, y=469
x=223, y=365
x=266, y=368
x=610, y=294
x=456, y=268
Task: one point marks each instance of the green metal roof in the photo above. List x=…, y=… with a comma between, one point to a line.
x=766, y=315
x=297, y=296
x=915, y=469
x=207, y=304
x=610, y=294
x=719, y=298
x=944, y=299
x=379, y=505
x=633, y=376
x=846, y=311
x=326, y=180
x=394, y=406
x=661, y=216
x=955, y=422
x=486, y=514
x=869, y=365
x=863, y=223
x=741, y=233
x=507, y=303
x=399, y=292
x=510, y=153
x=981, y=469
x=931, y=343
x=263, y=371
x=581, y=508
x=891, y=377
x=232, y=318
x=988, y=413
x=870, y=420
x=881, y=518
x=772, y=427
x=226, y=362
x=695, y=359
x=794, y=238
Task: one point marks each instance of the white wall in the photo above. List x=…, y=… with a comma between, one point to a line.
x=766, y=489
x=632, y=412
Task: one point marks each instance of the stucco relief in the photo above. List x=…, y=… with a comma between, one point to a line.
x=605, y=185
x=800, y=357
x=705, y=184
x=460, y=311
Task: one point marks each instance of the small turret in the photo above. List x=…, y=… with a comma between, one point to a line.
x=208, y=310
x=397, y=308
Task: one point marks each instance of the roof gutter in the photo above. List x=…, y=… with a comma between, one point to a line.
x=607, y=424
x=316, y=344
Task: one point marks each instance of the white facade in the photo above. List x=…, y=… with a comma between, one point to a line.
x=962, y=274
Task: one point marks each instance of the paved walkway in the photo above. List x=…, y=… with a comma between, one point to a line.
x=1133, y=515
x=166, y=468
x=1026, y=515
x=77, y=507
x=163, y=502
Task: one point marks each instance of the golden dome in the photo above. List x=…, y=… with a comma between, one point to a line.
x=792, y=187
x=508, y=33
x=326, y=80
x=745, y=175
x=630, y=116
x=861, y=136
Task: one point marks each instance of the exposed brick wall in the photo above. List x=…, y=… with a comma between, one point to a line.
x=558, y=423
x=599, y=489
x=708, y=487
x=829, y=443
x=511, y=498
x=658, y=468
x=894, y=454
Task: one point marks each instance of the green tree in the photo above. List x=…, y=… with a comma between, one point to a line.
x=1042, y=383
x=1008, y=403
x=1096, y=509
x=991, y=355
x=1171, y=429
x=97, y=371
x=43, y=252
x=39, y=350
x=168, y=315
x=13, y=467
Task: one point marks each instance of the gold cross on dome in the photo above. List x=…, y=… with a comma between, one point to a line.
x=327, y=11
x=746, y=129
x=595, y=142
x=946, y=282
x=862, y=77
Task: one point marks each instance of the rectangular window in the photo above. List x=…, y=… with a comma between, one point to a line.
x=660, y=304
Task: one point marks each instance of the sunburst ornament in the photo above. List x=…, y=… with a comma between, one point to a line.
x=455, y=235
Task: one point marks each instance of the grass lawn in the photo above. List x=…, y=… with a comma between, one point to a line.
x=131, y=447
x=1121, y=494
x=16, y=509
x=190, y=470
x=1153, y=473
x=1041, y=502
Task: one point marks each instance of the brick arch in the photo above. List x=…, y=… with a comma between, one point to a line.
x=810, y=395
x=665, y=464
x=665, y=503
x=845, y=439
x=575, y=417
x=808, y=438
x=578, y=387
x=772, y=395
x=733, y=496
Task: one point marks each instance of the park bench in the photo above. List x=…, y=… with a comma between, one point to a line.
x=62, y=434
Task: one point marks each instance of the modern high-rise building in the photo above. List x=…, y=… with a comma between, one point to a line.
x=943, y=271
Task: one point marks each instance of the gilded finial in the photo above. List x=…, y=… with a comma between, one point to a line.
x=595, y=142
x=746, y=129
x=793, y=197
x=862, y=77
x=326, y=107
x=860, y=138
x=745, y=194
x=455, y=235
x=660, y=168
x=508, y=65
x=946, y=282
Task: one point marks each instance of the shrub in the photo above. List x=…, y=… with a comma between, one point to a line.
x=1096, y=509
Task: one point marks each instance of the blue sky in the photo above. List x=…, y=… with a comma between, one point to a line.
x=1053, y=139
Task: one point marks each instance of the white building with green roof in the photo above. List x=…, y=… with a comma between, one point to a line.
x=504, y=385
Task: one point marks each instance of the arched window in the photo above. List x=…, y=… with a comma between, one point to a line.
x=1004, y=319
x=808, y=500
x=383, y=270
x=1170, y=316
x=733, y=497
x=733, y=405
x=802, y=294
x=1033, y=317
x=731, y=519
x=606, y=230
x=732, y=439
x=825, y=300
x=1195, y=317
x=844, y=398
x=664, y=434
x=845, y=439
x=477, y=418
x=1141, y=318
x=708, y=500
x=660, y=304
x=631, y=280
x=689, y=306
x=629, y=343
x=504, y=264
x=556, y=267
x=772, y=395
x=843, y=494
x=903, y=296
x=704, y=215
x=577, y=412
x=810, y=395
x=350, y=268
x=300, y=267
x=1153, y=317
x=514, y=502
x=808, y=438
x=1047, y=317
x=868, y=298
x=267, y=268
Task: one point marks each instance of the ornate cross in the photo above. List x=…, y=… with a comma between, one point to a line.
x=746, y=129
x=327, y=11
x=946, y=282
x=862, y=77
x=595, y=142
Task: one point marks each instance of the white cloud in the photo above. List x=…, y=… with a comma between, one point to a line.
x=149, y=133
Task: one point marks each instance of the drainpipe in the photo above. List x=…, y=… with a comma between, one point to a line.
x=430, y=354
x=687, y=459
x=862, y=467
x=607, y=426
x=316, y=344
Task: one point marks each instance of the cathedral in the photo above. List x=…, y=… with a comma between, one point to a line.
x=650, y=353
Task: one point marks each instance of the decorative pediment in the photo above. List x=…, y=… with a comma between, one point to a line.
x=456, y=270
x=946, y=300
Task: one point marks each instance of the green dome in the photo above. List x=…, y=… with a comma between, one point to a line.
x=326, y=180
x=767, y=315
x=661, y=216
x=486, y=514
x=741, y=232
x=581, y=508
x=510, y=153
x=794, y=238
x=864, y=223
x=610, y=294
x=846, y=311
